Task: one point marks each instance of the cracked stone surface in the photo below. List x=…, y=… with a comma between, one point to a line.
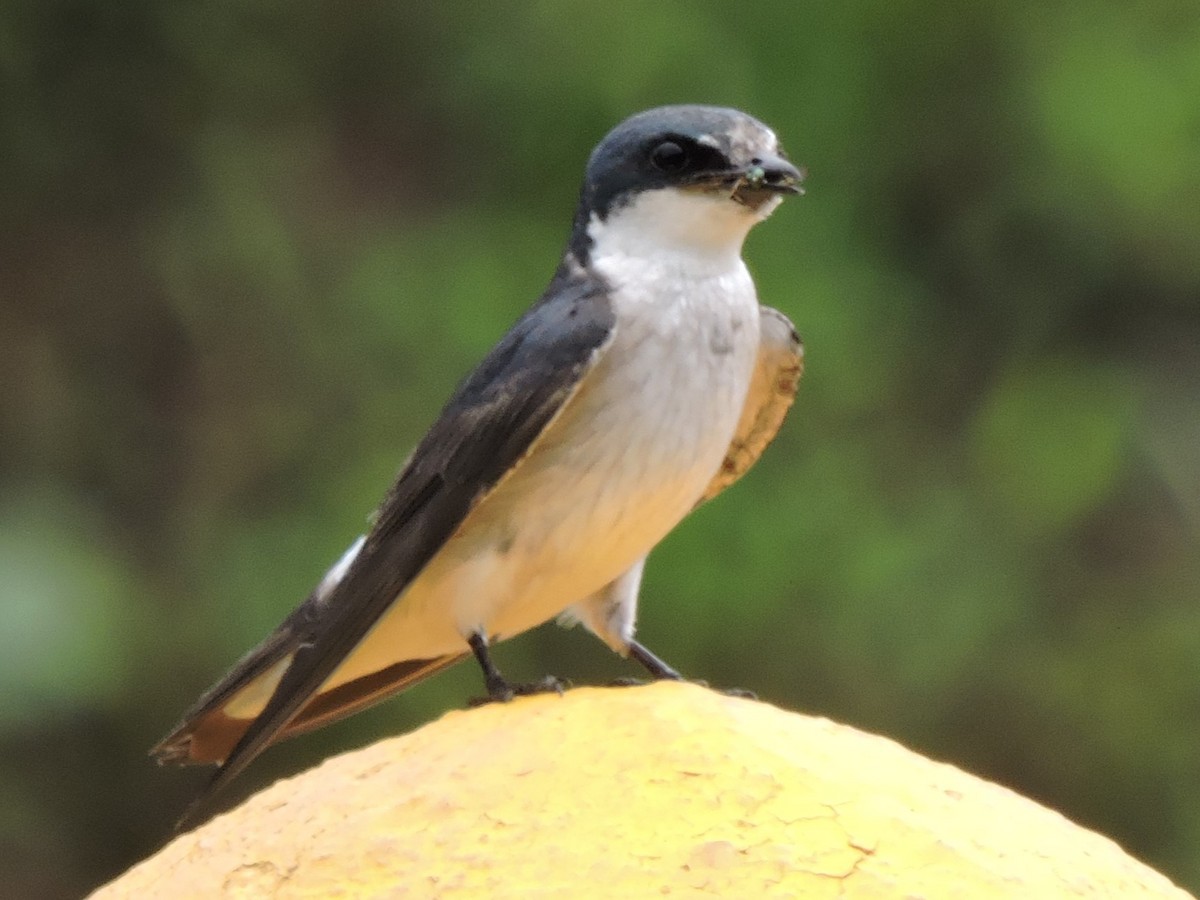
x=668, y=790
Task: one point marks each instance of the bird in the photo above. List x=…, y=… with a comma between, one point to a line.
x=645, y=380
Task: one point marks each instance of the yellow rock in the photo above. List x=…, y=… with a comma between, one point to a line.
x=665, y=790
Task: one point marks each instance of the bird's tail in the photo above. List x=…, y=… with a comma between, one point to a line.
x=212, y=728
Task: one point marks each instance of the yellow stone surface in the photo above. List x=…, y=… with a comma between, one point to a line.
x=668, y=790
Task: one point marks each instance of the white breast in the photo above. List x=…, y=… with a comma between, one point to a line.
x=637, y=446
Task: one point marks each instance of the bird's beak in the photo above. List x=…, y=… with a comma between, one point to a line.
x=767, y=176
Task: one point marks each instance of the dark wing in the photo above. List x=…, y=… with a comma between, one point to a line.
x=772, y=390
x=489, y=425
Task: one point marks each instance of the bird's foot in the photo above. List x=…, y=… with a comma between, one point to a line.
x=738, y=692
x=728, y=692
x=501, y=691
x=660, y=671
x=499, y=688
x=632, y=682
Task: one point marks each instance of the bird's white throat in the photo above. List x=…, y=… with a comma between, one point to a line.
x=701, y=231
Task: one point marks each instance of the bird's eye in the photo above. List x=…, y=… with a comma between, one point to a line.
x=669, y=157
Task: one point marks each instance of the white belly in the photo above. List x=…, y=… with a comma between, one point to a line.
x=625, y=461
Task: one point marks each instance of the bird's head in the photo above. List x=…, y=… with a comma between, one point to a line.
x=687, y=175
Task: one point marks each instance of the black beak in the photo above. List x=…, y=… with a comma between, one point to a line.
x=773, y=173
x=767, y=176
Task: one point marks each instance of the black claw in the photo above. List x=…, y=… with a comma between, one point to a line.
x=503, y=691
x=738, y=692
x=660, y=671
x=629, y=682
x=728, y=692
x=499, y=690
x=546, y=685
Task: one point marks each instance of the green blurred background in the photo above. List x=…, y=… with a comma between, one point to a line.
x=247, y=249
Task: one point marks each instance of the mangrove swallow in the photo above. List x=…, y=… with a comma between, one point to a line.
x=645, y=380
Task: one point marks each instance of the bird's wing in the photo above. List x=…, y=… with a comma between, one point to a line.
x=772, y=390
x=490, y=424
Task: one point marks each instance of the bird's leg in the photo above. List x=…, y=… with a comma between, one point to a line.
x=499, y=689
x=660, y=671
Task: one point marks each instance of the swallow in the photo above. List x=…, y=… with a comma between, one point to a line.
x=645, y=380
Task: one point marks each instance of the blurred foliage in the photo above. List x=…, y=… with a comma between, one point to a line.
x=247, y=249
